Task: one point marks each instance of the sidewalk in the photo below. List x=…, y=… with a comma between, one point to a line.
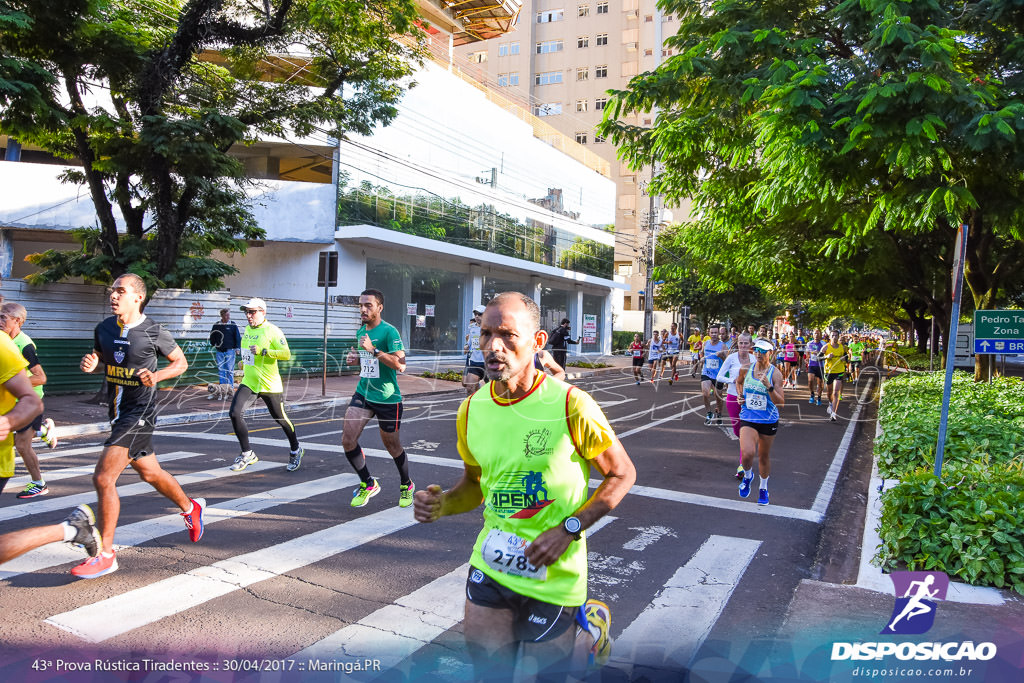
x=80, y=414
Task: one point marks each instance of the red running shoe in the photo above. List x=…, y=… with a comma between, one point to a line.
x=194, y=519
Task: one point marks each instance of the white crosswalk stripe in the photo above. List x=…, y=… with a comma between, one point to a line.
x=45, y=505
x=121, y=614
x=87, y=470
x=674, y=625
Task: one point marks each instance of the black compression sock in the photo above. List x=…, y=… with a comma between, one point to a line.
x=358, y=462
x=402, y=463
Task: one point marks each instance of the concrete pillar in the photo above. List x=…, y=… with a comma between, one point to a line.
x=535, y=288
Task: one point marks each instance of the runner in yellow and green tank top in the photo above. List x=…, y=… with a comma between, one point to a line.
x=13, y=317
x=528, y=443
x=381, y=356
x=263, y=345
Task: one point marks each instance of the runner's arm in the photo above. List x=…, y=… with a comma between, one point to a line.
x=394, y=360
x=28, y=406
x=278, y=349
x=548, y=361
x=178, y=364
x=466, y=495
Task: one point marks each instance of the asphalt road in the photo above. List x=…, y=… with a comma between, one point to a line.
x=289, y=580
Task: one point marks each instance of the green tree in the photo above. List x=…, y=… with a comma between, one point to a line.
x=861, y=125
x=150, y=98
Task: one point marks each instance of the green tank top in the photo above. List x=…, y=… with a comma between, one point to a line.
x=260, y=372
x=532, y=478
x=21, y=341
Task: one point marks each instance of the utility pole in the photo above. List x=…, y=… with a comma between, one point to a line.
x=648, y=260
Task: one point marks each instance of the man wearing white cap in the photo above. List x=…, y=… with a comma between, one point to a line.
x=474, y=371
x=263, y=344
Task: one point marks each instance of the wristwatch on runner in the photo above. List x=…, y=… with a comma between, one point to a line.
x=376, y=352
x=573, y=526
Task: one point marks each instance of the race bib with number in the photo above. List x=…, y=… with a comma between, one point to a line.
x=248, y=357
x=637, y=353
x=711, y=362
x=756, y=401
x=369, y=367
x=505, y=552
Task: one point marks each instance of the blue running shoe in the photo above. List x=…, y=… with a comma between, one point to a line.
x=762, y=497
x=745, y=486
x=810, y=399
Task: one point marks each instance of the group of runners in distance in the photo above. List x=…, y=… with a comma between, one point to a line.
x=749, y=371
x=526, y=590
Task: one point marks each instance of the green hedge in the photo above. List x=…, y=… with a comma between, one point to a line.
x=970, y=524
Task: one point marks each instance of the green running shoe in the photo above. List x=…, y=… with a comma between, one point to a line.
x=364, y=493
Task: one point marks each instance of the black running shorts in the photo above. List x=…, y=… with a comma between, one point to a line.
x=536, y=621
x=35, y=425
x=763, y=428
x=814, y=370
x=133, y=430
x=833, y=376
x=474, y=368
x=389, y=415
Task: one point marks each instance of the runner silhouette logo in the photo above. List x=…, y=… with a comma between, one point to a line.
x=917, y=595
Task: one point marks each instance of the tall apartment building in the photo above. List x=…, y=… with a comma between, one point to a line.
x=561, y=59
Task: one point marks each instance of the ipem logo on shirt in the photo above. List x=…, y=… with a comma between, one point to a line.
x=519, y=495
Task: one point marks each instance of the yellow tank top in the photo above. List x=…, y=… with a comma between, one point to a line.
x=533, y=476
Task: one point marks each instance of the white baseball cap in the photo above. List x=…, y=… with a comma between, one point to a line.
x=255, y=303
x=763, y=345
x=478, y=309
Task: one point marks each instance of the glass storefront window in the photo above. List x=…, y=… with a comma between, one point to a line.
x=436, y=295
x=554, y=306
x=592, y=306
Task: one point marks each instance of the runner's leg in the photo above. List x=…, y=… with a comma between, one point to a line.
x=237, y=412
x=355, y=421
x=490, y=640
x=275, y=406
x=150, y=472
x=15, y=543
x=23, y=444
x=112, y=462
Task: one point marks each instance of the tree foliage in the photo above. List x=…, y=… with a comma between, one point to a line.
x=825, y=140
x=150, y=98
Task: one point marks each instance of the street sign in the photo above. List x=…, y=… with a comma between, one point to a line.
x=999, y=332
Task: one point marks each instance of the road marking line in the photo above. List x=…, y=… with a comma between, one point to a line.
x=672, y=628
x=397, y=631
x=147, y=530
x=67, y=502
x=115, y=616
x=652, y=409
x=648, y=535
x=828, y=485
x=724, y=503
x=663, y=420
x=82, y=470
x=98, y=448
